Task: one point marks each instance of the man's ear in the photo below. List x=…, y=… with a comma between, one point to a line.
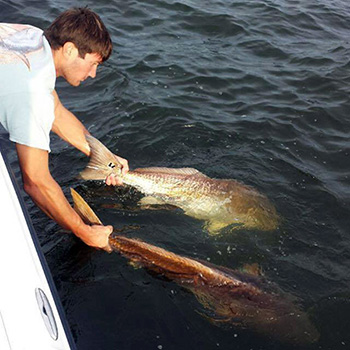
x=70, y=51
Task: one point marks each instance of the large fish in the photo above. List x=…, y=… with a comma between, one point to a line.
x=220, y=203
x=243, y=299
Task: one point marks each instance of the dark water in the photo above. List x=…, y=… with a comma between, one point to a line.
x=252, y=90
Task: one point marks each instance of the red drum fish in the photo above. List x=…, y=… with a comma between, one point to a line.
x=243, y=299
x=220, y=203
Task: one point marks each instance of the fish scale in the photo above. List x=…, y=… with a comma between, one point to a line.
x=219, y=203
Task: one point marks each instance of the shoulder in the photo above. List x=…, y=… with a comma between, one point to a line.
x=19, y=40
x=26, y=59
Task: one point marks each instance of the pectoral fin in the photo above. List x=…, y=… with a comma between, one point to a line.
x=149, y=200
x=214, y=227
x=152, y=203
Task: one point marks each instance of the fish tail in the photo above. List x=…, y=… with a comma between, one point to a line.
x=84, y=210
x=102, y=161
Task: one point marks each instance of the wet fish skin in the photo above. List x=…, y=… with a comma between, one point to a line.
x=243, y=299
x=170, y=265
x=233, y=297
x=220, y=203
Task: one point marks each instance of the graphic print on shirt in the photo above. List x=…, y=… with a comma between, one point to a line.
x=17, y=41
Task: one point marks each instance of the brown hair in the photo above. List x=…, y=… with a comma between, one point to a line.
x=84, y=28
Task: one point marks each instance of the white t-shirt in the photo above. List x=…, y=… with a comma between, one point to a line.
x=27, y=80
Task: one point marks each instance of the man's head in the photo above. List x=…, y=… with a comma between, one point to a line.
x=80, y=41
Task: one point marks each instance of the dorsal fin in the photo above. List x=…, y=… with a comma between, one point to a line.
x=170, y=171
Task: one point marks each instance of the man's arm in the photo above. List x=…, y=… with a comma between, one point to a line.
x=67, y=126
x=47, y=194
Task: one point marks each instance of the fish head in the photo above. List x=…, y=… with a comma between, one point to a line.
x=295, y=328
x=280, y=316
x=272, y=315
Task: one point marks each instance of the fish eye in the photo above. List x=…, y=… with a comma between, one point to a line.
x=111, y=165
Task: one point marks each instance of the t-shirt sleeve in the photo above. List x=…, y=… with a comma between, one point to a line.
x=29, y=117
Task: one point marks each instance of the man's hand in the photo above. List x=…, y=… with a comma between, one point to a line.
x=95, y=236
x=48, y=195
x=117, y=180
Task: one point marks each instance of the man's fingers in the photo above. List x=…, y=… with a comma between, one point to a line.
x=124, y=163
x=113, y=180
x=108, y=249
x=125, y=168
x=109, y=229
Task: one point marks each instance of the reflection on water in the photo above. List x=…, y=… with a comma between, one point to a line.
x=253, y=91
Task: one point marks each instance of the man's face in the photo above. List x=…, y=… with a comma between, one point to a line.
x=78, y=69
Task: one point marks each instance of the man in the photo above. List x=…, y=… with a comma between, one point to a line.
x=30, y=61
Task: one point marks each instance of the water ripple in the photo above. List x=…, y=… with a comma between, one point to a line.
x=252, y=90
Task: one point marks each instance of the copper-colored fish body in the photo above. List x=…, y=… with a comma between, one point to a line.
x=244, y=299
x=169, y=264
x=220, y=203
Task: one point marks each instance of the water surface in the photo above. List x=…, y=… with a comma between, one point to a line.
x=256, y=91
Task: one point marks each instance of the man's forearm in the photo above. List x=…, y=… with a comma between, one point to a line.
x=49, y=197
x=43, y=189
x=47, y=194
x=68, y=127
